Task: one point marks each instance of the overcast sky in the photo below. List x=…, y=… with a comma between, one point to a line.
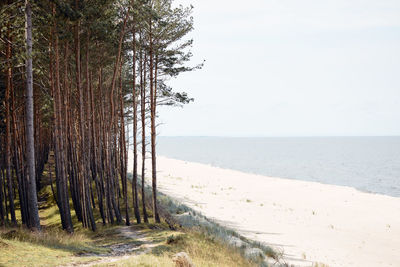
x=291, y=68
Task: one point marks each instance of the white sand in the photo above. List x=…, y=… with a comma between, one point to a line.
x=310, y=222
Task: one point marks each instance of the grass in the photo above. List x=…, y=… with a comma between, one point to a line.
x=195, y=221
x=202, y=250
x=20, y=247
x=53, y=246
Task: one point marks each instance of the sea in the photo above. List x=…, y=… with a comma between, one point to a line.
x=369, y=164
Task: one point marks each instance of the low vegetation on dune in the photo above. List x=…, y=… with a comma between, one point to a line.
x=202, y=250
x=151, y=244
x=20, y=247
x=179, y=214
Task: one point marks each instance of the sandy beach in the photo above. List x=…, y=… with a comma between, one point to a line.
x=310, y=222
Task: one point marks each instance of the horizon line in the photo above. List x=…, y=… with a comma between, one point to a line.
x=276, y=136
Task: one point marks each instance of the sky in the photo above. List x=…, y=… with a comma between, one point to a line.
x=291, y=68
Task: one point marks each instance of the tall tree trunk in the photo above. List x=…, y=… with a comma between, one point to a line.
x=94, y=128
x=153, y=129
x=18, y=164
x=81, y=132
x=105, y=158
x=135, y=155
x=8, y=132
x=62, y=187
x=30, y=145
x=112, y=109
x=143, y=117
x=123, y=152
x=87, y=212
x=100, y=142
x=71, y=150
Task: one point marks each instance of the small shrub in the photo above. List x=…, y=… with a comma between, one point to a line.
x=180, y=210
x=237, y=242
x=254, y=254
x=174, y=239
x=20, y=235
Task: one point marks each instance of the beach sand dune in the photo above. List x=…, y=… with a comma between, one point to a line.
x=309, y=222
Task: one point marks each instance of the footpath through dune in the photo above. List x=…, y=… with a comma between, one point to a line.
x=135, y=242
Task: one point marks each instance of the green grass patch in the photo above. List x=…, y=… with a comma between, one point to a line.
x=53, y=246
x=20, y=247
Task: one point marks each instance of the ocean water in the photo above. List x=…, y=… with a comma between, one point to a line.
x=370, y=164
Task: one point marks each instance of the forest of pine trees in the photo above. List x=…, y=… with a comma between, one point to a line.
x=82, y=80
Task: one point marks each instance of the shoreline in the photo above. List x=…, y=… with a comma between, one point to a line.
x=308, y=221
x=282, y=178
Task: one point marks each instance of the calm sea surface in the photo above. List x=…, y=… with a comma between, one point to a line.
x=370, y=164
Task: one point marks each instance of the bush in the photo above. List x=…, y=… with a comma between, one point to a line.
x=174, y=239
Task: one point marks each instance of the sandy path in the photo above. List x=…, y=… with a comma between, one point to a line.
x=310, y=222
x=124, y=250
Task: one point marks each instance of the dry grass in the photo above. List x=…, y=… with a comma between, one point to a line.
x=20, y=247
x=202, y=250
x=53, y=246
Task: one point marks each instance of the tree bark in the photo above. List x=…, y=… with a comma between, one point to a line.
x=143, y=117
x=153, y=129
x=62, y=187
x=30, y=146
x=123, y=152
x=8, y=132
x=135, y=155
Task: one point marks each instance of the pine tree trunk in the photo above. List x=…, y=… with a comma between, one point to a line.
x=30, y=152
x=143, y=115
x=112, y=122
x=134, y=98
x=18, y=163
x=153, y=130
x=8, y=133
x=95, y=155
x=59, y=147
x=123, y=152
